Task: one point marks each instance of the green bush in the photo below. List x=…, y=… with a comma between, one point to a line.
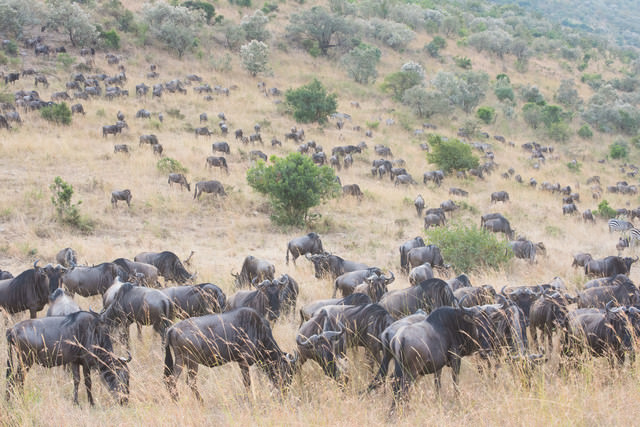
x=311, y=103
x=605, y=211
x=619, y=150
x=169, y=165
x=57, y=113
x=65, y=60
x=67, y=212
x=574, y=165
x=11, y=48
x=208, y=9
x=463, y=62
x=397, y=83
x=435, y=46
x=505, y=92
x=451, y=154
x=486, y=114
x=3, y=59
x=110, y=39
x=585, y=132
x=635, y=141
x=469, y=248
x=293, y=184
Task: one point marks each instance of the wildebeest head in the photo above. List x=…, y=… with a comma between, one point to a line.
x=618, y=322
x=523, y=296
x=320, y=263
x=55, y=276
x=378, y=285
x=628, y=261
x=271, y=290
x=326, y=348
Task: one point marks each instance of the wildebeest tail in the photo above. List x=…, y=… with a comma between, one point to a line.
x=10, y=344
x=287, y=257
x=168, y=359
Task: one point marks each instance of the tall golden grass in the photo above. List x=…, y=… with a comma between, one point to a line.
x=222, y=232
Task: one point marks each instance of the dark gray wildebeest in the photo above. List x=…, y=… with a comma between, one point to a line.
x=217, y=161
x=77, y=109
x=303, y=245
x=622, y=293
x=67, y=257
x=609, y=266
x=5, y=275
x=526, y=249
x=420, y=273
x=548, y=313
x=209, y=187
x=606, y=281
x=347, y=282
x=157, y=149
x=448, y=206
x=375, y=286
x=61, y=303
x=433, y=219
x=435, y=176
x=220, y=146
x=352, y=190
x=420, y=255
x=499, y=225
x=579, y=260
x=111, y=130
x=308, y=310
x=148, y=139
x=178, y=178
x=196, y=300
x=79, y=339
x=203, y=131
x=326, y=264
x=427, y=296
x=599, y=332
x=288, y=294
x=475, y=295
x=139, y=272
x=486, y=217
x=88, y=281
x=28, y=291
x=462, y=281
x=323, y=347
x=569, y=209
x=254, y=269
x=522, y=296
x=203, y=117
x=419, y=204
x=257, y=154
x=143, y=114
x=265, y=299
x=499, y=196
x=168, y=265
x=425, y=347
x=416, y=242
x=122, y=195
x=458, y=192
x=121, y=148
x=140, y=305
x=241, y=336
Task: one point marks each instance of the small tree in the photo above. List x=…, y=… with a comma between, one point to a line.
x=361, y=63
x=255, y=26
x=451, y=154
x=326, y=29
x=425, y=103
x=435, y=46
x=67, y=212
x=72, y=19
x=294, y=185
x=619, y=150
x=605, y=211
x=311, y=103
x=57, y=113
x=255, y=57
x=486, y=114
x=397, y=83
x=176, y=26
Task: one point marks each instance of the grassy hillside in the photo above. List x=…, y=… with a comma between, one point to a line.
x=222, y=232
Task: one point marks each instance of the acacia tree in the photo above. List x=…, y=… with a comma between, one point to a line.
x=176, y=26
x=294, y=185
x=318, y=25
x=255, y=26
x=255, y=56
x=311, y=103
x=72, y=19
x=361, y=63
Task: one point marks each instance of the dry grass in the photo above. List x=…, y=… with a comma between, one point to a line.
x=223, y=232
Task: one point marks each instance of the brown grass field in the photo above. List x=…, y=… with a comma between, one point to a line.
x=222, y=232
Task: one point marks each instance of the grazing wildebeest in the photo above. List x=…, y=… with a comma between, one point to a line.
x=124, y=195
x=308, y=244
x=420, y=255
x=139, y=272
x=579, y=260
x=87, y=281
x=61, y=303
x=499, y=225
x=217, y=161
x=203, y=117
x=587, y=215
x=435, y=176
x=609, y=266
x=569, y=209
x=462, y=281
x=427, y=295
x=67, y=257
x=79, y=339
x=77, y=109
x=196, y=300
x=352, y=190
x=178, y=178
x=143, y=114
x=148, y=139
x=499, y=196
x=157, y=149
x=548, y=314
x=416, y=242
x=420, y=273
x=288, y=294
x=121, y=148
x=526, y=249
x=257, y=154
x=476, y=295
x=29, y=290
x=11, y=78
x=265, y=299
x=433, y=219
x=168, y=265
x=203, y=131
x=333, y=265
x=140, y=305
x=241, y=336
x=458, y=191
x=308, y=310
x=254, y=269
x=622, y=293
x=111, y=129
x=212, y=186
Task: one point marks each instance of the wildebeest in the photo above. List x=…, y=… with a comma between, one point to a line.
x=196, y=300
x=241, y=336
x=77, y=109
x=522, y=296
x=352, y=190
x=427, y=295
x=157, y=149
x=433, y=219
x=123, y=195
x=419, y=204
x=88, y=281
x=79, y=339
x=288, y=294
x=609, y=266
x=29, y=290
x=475, y=295
x=178, y=178
x=121, y=148
x=375, y=286
x=416, y=242
x=11, y=78
x=61, y=303
x=420, y=255
x=67, y=257
x=168, y=265
x=622, y=293
x=217, y=161
x=499, y=225
x=308, y=244
x=499, y=196
x=140, y=272
x=548, y=314
x=203, y=131
x=420, y=273
x=143, y=114
x=333, y=265
x=461, y=281
x=212, y=186
x=579, y=260
x=458, y=192
x=435, y=176
x=254, y=269
x=526, y=249
x=323, y=347
x=265, y=299
x=148, y=139
x=308, y=310
x=111, y=129
x=347, y=282
x=257, y=154
x=569, y=209
x=140, y=305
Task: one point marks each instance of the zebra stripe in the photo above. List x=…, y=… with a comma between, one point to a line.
x=619, y=225
x=634, y=236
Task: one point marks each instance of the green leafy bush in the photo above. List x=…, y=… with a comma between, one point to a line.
x=110, y=39
x=67, y=212
x=605, y=211
x=397, y=83
x=57, y=113
x=169, y=165
x=311, y=103
x=451, y=154
x=486, y=114
x=435, y=46
x=585, y=132
x=361, y=63
x=293, y=184
x=469, y=248
x=463, y=62
x=619, y=150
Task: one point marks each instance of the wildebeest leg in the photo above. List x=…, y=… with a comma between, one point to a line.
x=534, y=336
x=382, y=372
x=550, y=341
x=401, y=383
x=455, y=371
x=75, y=371
x=86, y=371
x=139, y=327
x=437, y=380
x=192, y=372
x=33, y=312
x=246, y=376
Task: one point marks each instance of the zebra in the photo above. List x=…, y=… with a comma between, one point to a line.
x=619, y=225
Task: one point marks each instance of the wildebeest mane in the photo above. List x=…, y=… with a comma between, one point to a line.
x=170, y=267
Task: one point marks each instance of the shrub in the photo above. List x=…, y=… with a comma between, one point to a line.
x=469, y=248
x=585, y=132
x=11, y=48
x=574, y=165
x=463, y=62
x=293, y=184
x=176, y=26
x=451, y=154
x=65, y=60
x=435, y=46
x=67, y=212
x=255, y=26
x=311, y=103
x=57, y=113
x=72, y=19
x=424, y=103
x=169, y=165
x=397, y=83
x=110, y=39
x=361, y=63
x=208, y=9
x=255, y=57
x=486, y=114
x=505, y=92
x=619, y=150
x=605, y=211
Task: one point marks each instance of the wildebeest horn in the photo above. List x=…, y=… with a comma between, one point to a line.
x=389, y=279
x=636, y=259
x=608, y=306
x=36, y=262
x=305, y=342
x=502, y=290
x=292, y=358
x=540, y=291
x=503, y=301
x=128, y=359
x=330, y=335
